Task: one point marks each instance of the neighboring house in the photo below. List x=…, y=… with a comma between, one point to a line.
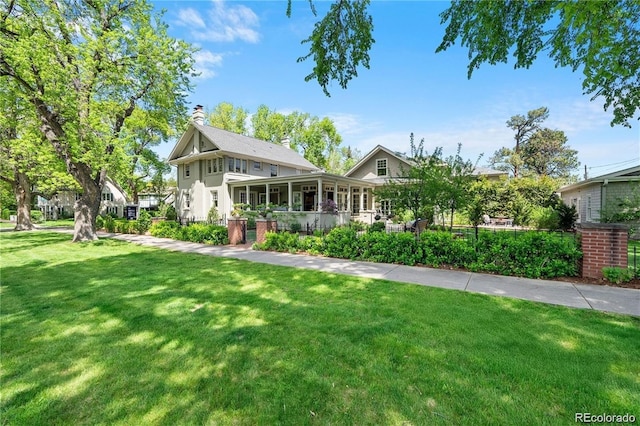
x=594, y=195
x=61, y=204
x=153, y=200
x=382, y=164
x=217, y=168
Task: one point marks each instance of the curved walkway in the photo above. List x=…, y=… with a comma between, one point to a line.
x=601, y=298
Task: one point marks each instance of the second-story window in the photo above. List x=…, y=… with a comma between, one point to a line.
x=274, y=170
x=187, y=170
x=381, y=166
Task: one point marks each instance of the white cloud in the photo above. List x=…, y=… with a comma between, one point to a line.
x=223, y=23
x=190, y=18
x=205, y=62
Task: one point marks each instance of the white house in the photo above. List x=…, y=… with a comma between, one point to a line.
x=61, y=204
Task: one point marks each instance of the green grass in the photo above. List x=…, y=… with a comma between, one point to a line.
x=114, y=333
x=60, y=223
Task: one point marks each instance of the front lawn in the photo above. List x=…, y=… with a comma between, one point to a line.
x=114, y=333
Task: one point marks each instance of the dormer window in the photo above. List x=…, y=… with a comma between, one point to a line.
x=381, y=167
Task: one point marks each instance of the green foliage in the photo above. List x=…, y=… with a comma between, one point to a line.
x=196, y=233
x=340, y=43
x=377, y=227
x=109, y=224
x=37, y=216
x=100, y=222
x=143, y=223
x=545, y=218
x=495, y=31
x=295, y=227
x=527, y=254
x=444, y=248
x=342, y=242
x=165, y=229
x=617, y=275
x=213, y=217
x=389, y=248
x=6, y=214
x=169, y=212
x=567, y=216
x=281, y=242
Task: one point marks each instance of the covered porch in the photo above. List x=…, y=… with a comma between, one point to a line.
x=306, y=193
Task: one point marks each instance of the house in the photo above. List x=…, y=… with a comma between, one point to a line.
x=594, y=195
x=218, y=168
x=61, y=204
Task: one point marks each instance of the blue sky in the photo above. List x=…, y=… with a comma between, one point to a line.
x=248, y=53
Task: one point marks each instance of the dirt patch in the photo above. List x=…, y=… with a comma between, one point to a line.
x=635, y=283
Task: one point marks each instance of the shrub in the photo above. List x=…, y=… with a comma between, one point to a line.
x=124, y=226
x=99, y=222
x=166, y=229
x=342, y=242
x=213, y=217
x=545, y=218
x=143, y=223
x=203, y=233
x=377, y=227
x=109, y=224
x=281, y=241
x=295, y=227
x=443, y=248
x=617, y=275
x=528, y=254
x=567, y=216
x=390, y=248
x=36, y=216
x=169, y=212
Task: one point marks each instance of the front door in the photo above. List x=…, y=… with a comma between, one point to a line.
x=309, y=201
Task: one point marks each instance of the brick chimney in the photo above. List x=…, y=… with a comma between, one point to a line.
x=286, y=142
x=198, y=115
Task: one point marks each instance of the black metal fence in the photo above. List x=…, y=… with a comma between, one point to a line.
x=188, y=220
x=634, y=257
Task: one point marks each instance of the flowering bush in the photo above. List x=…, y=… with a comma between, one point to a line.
x=329, y=206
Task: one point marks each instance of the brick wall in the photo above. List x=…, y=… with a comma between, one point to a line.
x=602, y=245
x=234, y=229
x=263, y=226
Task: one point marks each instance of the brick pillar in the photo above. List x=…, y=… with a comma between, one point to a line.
x=263, y=226
x=602, y=244
x=234, y=228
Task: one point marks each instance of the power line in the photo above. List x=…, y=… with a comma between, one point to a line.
x=633, y=160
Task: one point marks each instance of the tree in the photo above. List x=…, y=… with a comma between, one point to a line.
x=546, y=154
x=85, y=67
x=316, y=138
x=511, y=159
x=27, y=164
x=602, y=39
x=431, y=184
x=228, y=117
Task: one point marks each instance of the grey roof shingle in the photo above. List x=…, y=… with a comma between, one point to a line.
x=235, y=143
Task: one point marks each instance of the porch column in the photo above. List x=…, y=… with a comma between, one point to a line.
x=335, y=192
x=349, y=199
x=267, y=195
x=246, y=192
x=373, y=203
x=361, y=199
x=319, y=194
x=290, y=195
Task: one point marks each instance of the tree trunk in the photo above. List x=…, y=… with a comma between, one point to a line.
x=86, y=210
x=22, y=190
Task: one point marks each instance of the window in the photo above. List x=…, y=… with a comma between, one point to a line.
x=214, y=199
x=365, y=200
x=274, y=170
x=187, y=200
x=187, y=170
x=381, y=166
x=385, y=207
x=589, y=207
x=107, y=196
x=231, y=162
x=355, y=200
x=238, y=165
x=78, y=196
x=244, y=166
x=243, y=197
x=210, y=166
x=112, y=210
x=257, y=165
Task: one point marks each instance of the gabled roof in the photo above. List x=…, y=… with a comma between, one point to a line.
x=373, y=152
x=478, y=171
x=235, y=144
x=625, y=175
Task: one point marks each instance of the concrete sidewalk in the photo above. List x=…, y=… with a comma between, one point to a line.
x=601, y=298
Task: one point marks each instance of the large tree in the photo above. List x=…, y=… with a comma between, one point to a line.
x=599, y=38
x=85, y=67
x=538, y=150
x=27, y=163
x=317, y=139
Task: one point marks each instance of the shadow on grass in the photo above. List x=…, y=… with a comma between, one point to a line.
x=151, y=336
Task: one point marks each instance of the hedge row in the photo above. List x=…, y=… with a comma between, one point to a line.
x=124, y=226
x=527, y=254
x=195, y=233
